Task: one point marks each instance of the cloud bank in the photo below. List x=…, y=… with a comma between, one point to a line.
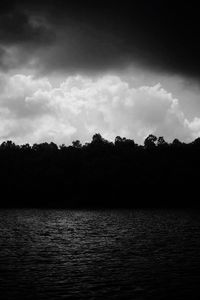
x=32, y=110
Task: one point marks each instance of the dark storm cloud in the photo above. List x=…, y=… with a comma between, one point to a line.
x=101, y=35
x=19, y=25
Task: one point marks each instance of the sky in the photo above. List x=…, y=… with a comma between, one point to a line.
x=70, y=69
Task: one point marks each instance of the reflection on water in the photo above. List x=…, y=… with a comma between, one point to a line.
x=55, y=254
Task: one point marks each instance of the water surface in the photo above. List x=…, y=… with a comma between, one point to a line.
x=137, y=254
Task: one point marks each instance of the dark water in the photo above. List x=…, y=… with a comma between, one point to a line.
x=58, y=254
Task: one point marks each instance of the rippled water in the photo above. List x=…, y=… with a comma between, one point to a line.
x=138, y=254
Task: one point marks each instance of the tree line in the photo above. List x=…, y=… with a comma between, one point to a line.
x=101, y=174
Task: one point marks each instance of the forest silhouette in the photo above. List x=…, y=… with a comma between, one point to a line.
x=101, y=174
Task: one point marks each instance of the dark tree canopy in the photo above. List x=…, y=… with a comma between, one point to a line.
x=100, y=174
x=150, y=141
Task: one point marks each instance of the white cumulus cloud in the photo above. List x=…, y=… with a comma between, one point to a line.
x=32, y=110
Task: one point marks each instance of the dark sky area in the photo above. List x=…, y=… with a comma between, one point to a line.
x=101, y=35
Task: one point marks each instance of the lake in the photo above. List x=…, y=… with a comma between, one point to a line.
x=102, y=254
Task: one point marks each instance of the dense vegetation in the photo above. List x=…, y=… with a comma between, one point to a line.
x=100, y=174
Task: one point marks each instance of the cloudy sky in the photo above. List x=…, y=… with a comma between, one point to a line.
x=69, y=69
